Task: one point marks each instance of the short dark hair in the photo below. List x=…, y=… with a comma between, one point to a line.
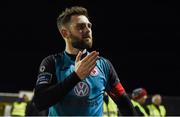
x=65, y=17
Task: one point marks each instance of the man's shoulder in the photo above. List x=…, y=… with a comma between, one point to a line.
x=53, y=57
x=103, y=59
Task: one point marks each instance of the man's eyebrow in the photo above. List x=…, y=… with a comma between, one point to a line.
x=83, y=23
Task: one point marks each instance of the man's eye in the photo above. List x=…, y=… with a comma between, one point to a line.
x=82, y=26
x=89, y=25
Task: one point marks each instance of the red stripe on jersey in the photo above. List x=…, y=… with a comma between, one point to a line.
x=119, y=90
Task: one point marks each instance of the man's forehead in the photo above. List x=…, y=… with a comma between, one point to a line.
x=79, y=19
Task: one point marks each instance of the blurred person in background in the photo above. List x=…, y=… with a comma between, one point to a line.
x=31, y=110
x=19, y=106
x=139, y=97
x=110, y=108
x=25, y=98
x=156, y=108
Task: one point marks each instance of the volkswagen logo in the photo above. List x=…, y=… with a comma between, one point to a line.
x=81, y=89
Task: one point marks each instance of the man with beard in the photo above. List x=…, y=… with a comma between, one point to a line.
x=72, y=83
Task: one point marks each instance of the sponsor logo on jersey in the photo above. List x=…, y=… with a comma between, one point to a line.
x=44, y=78
x=81, y=89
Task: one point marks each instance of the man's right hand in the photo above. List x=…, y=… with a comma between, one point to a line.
x=84, y=67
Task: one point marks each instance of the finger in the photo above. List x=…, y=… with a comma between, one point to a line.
x=92, y=67
x=94, y=57
x=90, y=60
x=91, y=56
x=78, y=57
x=90, y=63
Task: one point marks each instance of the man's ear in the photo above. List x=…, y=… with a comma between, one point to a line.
x=64, y=32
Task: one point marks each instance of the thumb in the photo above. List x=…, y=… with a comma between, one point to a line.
x=78, y=57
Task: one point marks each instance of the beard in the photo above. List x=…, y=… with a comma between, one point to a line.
x=81, y=43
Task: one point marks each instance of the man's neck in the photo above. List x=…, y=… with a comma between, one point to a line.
x=71, y=50
x=74, y=51
x=73, y=56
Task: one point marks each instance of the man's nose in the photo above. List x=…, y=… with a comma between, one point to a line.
x=87, y=29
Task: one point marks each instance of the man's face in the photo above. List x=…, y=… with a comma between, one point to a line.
x=80, y=33
x=157, y=100
x=142, y=100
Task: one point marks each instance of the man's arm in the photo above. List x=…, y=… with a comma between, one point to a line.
x=118, y=94
x=47, y=90
x=124, y=105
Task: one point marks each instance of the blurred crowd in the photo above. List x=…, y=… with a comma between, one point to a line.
x=139, y=97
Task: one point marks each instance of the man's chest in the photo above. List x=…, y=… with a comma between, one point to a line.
x=94, y=84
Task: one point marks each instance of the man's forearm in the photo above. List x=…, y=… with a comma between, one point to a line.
x=125, y=106
x=46, y=96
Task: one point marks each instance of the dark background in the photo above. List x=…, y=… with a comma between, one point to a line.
x=140, y=38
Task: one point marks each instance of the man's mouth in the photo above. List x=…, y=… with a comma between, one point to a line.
x=86, y=36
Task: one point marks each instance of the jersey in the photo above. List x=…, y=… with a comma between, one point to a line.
x=72, y=95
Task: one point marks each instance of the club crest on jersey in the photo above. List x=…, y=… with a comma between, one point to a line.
x=94, y=72
x=81, y=89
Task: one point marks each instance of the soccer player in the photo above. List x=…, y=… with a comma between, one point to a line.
x=72, y=82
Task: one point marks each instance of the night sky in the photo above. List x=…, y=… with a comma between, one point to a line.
x=140, y=38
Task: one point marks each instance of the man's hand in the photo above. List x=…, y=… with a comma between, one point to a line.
x=84, y=67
